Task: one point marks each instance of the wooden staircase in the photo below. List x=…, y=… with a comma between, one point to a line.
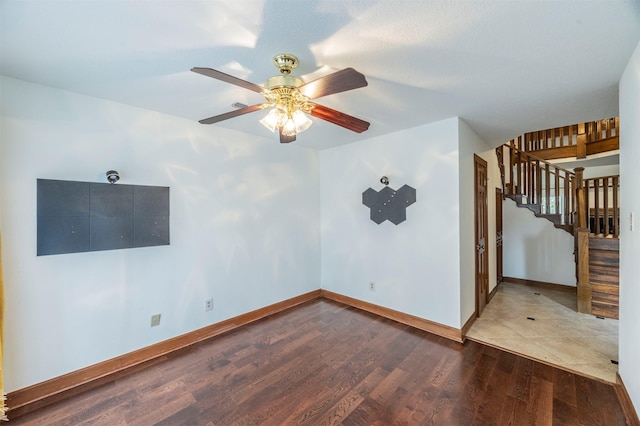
x=586, y=208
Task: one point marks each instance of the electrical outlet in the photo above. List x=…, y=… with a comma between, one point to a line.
x=155, y=320
x=208, y=304
x=372, y=286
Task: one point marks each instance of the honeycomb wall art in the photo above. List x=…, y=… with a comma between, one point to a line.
x=389, y=204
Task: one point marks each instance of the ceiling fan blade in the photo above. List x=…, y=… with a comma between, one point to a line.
x=231, y=114
x=339, y=118
x=286, y=139
x=219, y=75
x=339, y=81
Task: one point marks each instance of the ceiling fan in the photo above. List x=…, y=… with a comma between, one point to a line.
x=289, y=98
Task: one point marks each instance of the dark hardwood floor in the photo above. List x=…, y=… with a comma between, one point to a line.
x=325, y=363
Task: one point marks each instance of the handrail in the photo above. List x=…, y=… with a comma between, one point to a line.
x=529, y=154
x=603, y=177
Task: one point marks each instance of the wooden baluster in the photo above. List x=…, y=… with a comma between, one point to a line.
x=581, y=148
x=500, y=158
x=572, y=192
x=519, y=174
x=547, y=188
x=616, y=189
x=538, y=183
x=605, y=197
x=567, y=199
x=570, y=135
x=561, y=136
x=556, y=192
x=512, y=181
x=581, y=206
x=596, y=205
x=587, y=191
x=530, y=178
x=612, y=125
x=598, y=130
x=525, y=175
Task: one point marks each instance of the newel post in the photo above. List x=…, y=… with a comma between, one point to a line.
x=581, y=141
x=582, y=244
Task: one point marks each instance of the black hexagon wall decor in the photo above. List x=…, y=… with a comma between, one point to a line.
x=389, y=204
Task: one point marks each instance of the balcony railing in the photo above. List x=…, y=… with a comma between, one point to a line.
x=576, y=140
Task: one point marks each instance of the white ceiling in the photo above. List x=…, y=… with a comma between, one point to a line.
x=505, y=67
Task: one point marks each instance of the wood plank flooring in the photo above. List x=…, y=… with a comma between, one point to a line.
x=326, y=363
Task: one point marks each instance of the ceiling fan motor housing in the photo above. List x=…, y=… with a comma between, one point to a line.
x=278, y=81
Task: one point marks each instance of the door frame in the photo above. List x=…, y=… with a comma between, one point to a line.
x=499, y=237
x=481, y=271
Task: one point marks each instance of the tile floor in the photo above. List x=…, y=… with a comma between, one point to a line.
x=559, y=335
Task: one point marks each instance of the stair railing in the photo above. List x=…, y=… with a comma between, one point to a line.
x=546, y=187
x=602, y=205
x=569, y=141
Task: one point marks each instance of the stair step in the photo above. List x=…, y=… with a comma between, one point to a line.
x=568, y=228
x=535, y=208
x=555, y=218
x=514, y=197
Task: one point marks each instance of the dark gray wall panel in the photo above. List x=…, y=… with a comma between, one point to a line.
x=151, y=231
x=110, y=233
x=81, y=216
x=111, y=200
x=62, y=198
x=151, y=200
x=62, y=234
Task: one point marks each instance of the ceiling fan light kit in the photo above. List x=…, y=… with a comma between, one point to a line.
x=289, y=98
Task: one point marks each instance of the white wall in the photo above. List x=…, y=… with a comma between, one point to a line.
x=415, y=265
x=470, y=143
x=600, y=171
x=629, y=332
x=244, y=229
x=534, y=249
